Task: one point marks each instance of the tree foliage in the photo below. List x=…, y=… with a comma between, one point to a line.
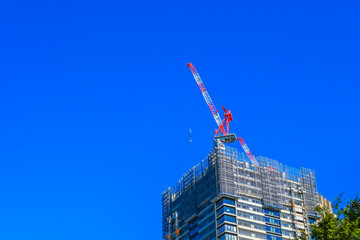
x=344, y=224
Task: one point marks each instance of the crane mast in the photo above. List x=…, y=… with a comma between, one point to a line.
x=221, y=133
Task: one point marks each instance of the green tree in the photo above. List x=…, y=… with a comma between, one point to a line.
x=343, y=225
x=303, y=236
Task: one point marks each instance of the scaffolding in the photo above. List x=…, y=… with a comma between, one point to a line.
x=225, y=170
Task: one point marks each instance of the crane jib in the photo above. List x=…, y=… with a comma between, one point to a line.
x=228, y=117
x=208, y=100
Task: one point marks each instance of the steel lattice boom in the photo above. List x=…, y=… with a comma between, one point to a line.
x=206, y=95
x=248, y=152
x=226, y=137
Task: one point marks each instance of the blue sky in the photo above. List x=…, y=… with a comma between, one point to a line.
x=96, y=100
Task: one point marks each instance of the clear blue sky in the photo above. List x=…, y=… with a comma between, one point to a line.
x=96, y=98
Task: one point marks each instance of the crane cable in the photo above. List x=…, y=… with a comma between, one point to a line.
x=190, y=117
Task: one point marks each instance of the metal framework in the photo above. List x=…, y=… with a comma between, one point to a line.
x=226, y=170
x=222, y=124
x=225, y=137
x=248, y=152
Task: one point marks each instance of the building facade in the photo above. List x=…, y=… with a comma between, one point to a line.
x=323, y=202
x=225, y=197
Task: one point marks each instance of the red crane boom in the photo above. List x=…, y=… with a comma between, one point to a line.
x=221, y=133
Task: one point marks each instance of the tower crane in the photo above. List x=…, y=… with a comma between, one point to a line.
x=222, y=133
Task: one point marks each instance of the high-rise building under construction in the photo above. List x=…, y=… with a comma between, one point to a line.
x=226, y=197
x=233, y=196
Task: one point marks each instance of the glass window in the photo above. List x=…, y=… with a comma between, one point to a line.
x=270, y=212
x=250, y=216
x=221, y=229
x=227, y=227
x=227, y=236
x=273, y=229
x=205, y=231
x=225, y=200
x=251, y=225
x=270, y=237
x=284, y=215
x=300, y=226
x=206, y=221
x=249, y=207
x=284, y=224
x=226, y=210
x=226, y=218
x=193, y=223
x=298, y=209
x=312, y=221
x=288, y=233
x=272, y=220
x=194, y=231
x=252, y=234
